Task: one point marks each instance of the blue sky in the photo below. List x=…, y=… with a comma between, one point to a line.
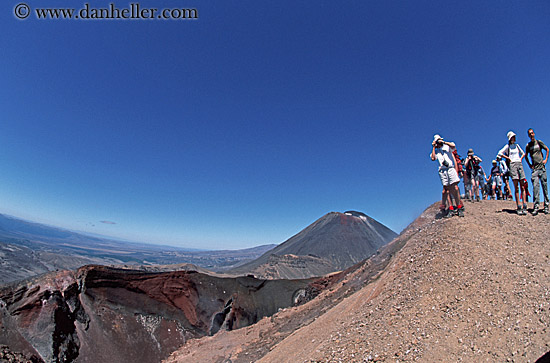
x=244, y=126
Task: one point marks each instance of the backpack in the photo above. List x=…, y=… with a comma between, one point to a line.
x=506, y=160
x=473, y=165
x=458, y=159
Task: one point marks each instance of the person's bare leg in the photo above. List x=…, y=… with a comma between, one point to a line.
x=444, y=196
x=456, y=194
x=516, y=192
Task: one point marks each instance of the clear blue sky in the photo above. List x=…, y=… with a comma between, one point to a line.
x=244, y=126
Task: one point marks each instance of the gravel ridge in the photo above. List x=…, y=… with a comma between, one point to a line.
x=472, y=289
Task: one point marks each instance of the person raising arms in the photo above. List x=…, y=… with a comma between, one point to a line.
x=442, y=152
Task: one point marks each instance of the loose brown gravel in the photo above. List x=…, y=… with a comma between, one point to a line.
x=472, y=289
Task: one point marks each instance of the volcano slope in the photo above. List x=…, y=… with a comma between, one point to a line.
x=472, y=289
x=332, y=243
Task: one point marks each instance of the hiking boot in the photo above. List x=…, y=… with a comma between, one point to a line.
x=442, y=212
x=519, y=211
x=449, y=213
x=546, y=209
x=460, y=211
x=535, y=210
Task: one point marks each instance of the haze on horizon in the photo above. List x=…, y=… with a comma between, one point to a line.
x=244, y=126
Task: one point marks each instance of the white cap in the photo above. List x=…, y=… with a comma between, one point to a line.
x=436, y=138
x=510, y=134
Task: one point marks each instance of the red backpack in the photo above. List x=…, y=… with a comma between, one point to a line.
x=458, y=159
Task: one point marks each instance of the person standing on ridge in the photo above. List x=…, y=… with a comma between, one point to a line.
x=442, y=152
x=482, y=181
x=467, y=183
x=495, y=181
x=472, y=168
x=513, y=152
x=538, y=170
x=504, y=174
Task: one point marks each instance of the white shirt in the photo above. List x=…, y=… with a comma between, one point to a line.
x=514, y=152
x=444, y=154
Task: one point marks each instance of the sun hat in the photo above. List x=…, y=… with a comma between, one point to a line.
x=470, y=152
x=510, y=134
x=494, y=161
x=437, y=138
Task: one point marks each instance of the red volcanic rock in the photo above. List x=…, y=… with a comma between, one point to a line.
x=105, y=314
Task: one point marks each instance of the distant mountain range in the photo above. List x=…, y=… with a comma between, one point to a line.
x=28, y=249
x=334, y=242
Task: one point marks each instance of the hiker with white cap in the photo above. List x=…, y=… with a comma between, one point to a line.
x=442, y=152
x=514, y=154
x=538, y=170
x=472, y=168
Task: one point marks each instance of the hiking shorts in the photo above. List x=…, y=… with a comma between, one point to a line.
x=448, y=176
x=497, y=181
x=516, y=171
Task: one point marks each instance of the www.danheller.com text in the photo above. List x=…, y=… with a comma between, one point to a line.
x=132, y=11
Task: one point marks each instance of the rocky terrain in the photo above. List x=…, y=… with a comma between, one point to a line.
x=472, y=289
x=332, y=243
x=291, y=266
x=101, y=314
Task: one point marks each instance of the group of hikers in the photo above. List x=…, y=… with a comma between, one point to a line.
x=478, y=185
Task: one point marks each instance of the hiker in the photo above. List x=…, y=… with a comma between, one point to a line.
x=442, y=152
x=514, y=154
x=538, y=170
x=504, y=174
x=481, y=181
x=467, y=183
x=472, y=169
x=495, y=181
